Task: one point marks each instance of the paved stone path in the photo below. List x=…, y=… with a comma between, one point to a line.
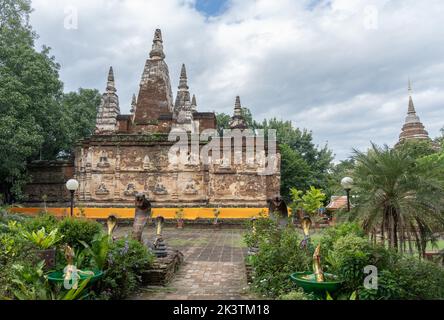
x=213, y=268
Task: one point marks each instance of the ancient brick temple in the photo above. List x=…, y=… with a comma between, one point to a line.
x=130, y=153
x=413, y=128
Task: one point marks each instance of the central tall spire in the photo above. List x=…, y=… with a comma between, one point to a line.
x=155, y=96
x=157, y=51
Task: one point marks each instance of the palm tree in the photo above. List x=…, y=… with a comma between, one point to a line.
x=399, y=196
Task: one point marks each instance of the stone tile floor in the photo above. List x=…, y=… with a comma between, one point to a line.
x=213, y=268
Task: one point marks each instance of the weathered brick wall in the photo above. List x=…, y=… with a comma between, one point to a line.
x=49, y=178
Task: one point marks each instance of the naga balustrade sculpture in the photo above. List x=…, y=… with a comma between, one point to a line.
x=142, y=214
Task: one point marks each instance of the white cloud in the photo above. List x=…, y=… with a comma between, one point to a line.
x=333, y=68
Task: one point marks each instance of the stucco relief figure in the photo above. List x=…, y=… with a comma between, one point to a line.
x=278, y=210
x=142, y=214
x=102, y=190
x=190, y=188
x=160, y=189
x=148, y=164
x=130, y=190
x=103, y=162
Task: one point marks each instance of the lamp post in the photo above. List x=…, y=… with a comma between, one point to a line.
x=72, y=185
x=347, y=184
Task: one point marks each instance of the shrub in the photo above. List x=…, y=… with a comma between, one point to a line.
x=126, y=258
x=348, y=258
x=278, y=257
x=265, y=228
x=76, y=230
x=43, y=220
x=296, y=295
x=331, y=235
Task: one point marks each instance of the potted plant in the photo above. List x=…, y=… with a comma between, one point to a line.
x=180, y=218
x=216, y=213
x=44, y=243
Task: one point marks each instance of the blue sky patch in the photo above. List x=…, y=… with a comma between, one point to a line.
x=211, y=7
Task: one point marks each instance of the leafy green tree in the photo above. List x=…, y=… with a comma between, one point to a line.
x=294, y=170
x=336, y=173
x=303, y=163
x=36, y=120
x=223, y=122
x=79, y=111
x=29, y=87
x=398, y=195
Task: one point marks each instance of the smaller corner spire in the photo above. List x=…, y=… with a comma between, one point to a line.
x=133, y=104
x=237, y=120
x=111, y=85
x=183, y=82
x=157, y=50
x=194, y=103
x=238, y=107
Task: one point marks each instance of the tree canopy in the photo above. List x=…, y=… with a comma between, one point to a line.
x=37, y=121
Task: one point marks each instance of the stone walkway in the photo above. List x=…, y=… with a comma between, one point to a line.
x=213, y=268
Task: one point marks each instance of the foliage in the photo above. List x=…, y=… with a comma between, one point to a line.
x=399, y=194
x=336, y=173
x=279, y=255
x=310, y=202
x=296, y=295
x=43, y=220
x=98, y=250
x=348, y=251
x=41, y=239
x=332, y=234
x=80, y=109
x=76, y=230
x=30, y=283
x=126, y=259
x=36, y=120
x=263, y=229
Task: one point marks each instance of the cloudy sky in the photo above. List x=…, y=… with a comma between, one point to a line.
x=337, y=67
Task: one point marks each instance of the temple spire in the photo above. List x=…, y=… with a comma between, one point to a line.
x=106, y=120
x=413, y=128
x=111, y=85
x=194, y=103
x=238, y=121
x=133, y=104
x=411, y=109
x=238, y=107
x=157, y=51
x=183, y=100
x=183, y=82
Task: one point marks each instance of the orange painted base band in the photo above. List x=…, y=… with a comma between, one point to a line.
x=167, y=213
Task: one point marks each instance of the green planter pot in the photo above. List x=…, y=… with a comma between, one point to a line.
x=58, y=276
x=307, y=281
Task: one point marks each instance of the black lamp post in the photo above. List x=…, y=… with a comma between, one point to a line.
x=347, y=184
x=72, y=185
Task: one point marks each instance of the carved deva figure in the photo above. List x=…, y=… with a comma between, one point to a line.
x=143, y=212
